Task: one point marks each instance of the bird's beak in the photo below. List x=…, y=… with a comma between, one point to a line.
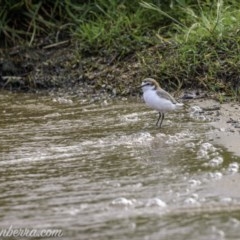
x=143, y=85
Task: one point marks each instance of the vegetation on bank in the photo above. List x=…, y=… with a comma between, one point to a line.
x=182, y=43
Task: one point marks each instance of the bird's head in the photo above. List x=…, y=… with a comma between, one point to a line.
x=149, y=84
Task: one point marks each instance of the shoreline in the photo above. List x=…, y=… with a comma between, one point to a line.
x=225, y=121
x=224, y=118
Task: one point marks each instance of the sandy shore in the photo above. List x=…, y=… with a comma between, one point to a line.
x=225, y=118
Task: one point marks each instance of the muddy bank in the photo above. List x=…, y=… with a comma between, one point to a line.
x=53, y=67
x=63, y=67
x=225, y=119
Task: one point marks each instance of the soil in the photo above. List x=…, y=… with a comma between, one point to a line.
x=61, y=66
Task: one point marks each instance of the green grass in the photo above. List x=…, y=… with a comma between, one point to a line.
x=205, y=51
x=25, y=21
x=183, y=43
x=118, y=29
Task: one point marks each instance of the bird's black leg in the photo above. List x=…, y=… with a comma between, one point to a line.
x=161, y=120
x=160, y=116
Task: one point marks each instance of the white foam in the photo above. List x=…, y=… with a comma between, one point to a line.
x=196, y=110
x=172, y=139
x=216, y=175
x=234, y=222
x=155, y=202
x=233, y=167
x=179, y=137
x=218, y=234
x=215, y=162
x=191, y=201
x=208, y=147
x=121, y=201
x=62, y=100
x=190, y=145
x=226, y=200
x=194, y=183
x=196, y=113
x=133, y=117
x=205, y=150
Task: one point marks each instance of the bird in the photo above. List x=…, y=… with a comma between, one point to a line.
x=157, y=98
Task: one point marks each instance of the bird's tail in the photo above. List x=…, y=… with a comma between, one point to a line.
x=179, y=105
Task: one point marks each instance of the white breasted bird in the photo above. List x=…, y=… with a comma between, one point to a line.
x=157, y=98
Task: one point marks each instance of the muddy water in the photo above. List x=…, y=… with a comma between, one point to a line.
x=104, y=171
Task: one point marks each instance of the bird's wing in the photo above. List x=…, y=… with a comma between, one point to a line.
x=163, y=94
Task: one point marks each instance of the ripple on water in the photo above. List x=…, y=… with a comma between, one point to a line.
x=106, y=172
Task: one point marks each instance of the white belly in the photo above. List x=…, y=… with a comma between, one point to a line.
x=160, y=104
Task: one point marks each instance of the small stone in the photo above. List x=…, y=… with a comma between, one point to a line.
x=212, y=108
x=232, y=121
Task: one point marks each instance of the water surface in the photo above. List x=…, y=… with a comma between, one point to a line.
x=102, y=170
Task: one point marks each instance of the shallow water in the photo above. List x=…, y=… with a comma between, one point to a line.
x=104, y=171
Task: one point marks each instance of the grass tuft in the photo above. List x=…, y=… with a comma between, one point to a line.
x=205, y=50
x=183, y=43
